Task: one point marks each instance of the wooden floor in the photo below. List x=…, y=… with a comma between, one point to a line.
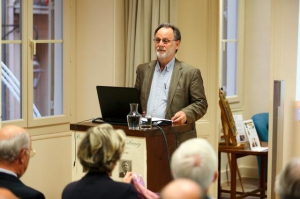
x=248, y=184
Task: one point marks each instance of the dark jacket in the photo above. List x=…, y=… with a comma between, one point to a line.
x=17, y=187
x=97, y=186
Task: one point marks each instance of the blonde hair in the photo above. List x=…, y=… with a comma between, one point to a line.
x=101, y=148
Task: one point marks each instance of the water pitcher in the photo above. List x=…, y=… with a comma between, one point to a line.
x=134, y=117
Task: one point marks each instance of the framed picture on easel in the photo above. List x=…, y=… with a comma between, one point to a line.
x=228, y=123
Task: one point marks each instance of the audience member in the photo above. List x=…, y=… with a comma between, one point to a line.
x=138, y=183
x=195, y=159
x=170, y=88
x=98, y=153
x=6, y=194
x=15, y=152
x=287, y=184
x=182, y=188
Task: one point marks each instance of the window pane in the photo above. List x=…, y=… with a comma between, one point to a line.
x=11, y=61
x=48, y=79
x=11, y=82
x=11, y=21
x=229, y=68
x=48, y=60
x=230, y=19
x=229, y=44
x=47, y=19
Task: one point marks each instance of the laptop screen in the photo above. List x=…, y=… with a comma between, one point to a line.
x=114, y=102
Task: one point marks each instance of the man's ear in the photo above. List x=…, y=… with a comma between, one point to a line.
x=177, y=44
x=216, y=175
x=22, y=155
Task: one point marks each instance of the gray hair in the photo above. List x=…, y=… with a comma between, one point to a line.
x=10, y=148
x=101, y=148
x=176, y=31
x=195, y=159
x=287, y=184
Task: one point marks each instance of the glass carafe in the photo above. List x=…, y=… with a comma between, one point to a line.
x=134, y=117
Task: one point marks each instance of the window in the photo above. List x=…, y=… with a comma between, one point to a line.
x=231, y=50
x=32, y=61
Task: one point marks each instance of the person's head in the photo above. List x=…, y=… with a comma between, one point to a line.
x=125, y=166
x=287, y=184
x=195, y=159
x=101, y=148
x=6, y=194
x=15, y=149
x=182, y=188
x=167, y=39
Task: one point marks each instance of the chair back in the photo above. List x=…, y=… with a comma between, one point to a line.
x=261, y=123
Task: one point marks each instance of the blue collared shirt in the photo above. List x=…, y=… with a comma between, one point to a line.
x=159, y=91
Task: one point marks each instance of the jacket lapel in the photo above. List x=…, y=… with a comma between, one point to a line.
x=174, y=82
x=148, y=81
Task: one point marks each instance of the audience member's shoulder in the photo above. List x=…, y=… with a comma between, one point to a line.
x=127, y=190
x=126, y=186
x=35, y=193
x=6, y=194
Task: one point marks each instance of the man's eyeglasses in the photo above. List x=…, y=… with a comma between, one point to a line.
x=165, y=41
x=31, y=152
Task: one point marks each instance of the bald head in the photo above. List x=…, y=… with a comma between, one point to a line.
x=7, y=132
x=6, y=194
x=15, y=146
x=182, y=189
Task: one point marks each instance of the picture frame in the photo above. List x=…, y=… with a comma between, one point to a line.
x=228, y=123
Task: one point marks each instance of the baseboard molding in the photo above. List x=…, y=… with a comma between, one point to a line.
x=246, y=172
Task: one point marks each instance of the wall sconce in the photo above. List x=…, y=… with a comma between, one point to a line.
x=297, y=111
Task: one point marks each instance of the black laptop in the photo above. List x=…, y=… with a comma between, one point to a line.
x=114, y=103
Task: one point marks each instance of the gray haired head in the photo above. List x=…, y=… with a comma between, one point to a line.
x=287, y=184
x=11, y=147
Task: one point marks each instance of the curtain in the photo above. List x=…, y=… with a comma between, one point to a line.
x=141, y=19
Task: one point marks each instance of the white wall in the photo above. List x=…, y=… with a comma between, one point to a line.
x=256, y=71
x=256, y=57
x=283, y=59
x=50, y=170
x=99, y=51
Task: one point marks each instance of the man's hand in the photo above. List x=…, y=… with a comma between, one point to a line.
x=179, y=118
x=128, y=177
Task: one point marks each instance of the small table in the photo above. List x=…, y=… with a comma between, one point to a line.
x=235, y=154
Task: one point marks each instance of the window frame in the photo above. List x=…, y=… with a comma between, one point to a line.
x=27, y=120
x=235, y=101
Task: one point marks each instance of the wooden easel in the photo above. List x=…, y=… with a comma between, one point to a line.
x=228, y=124
x=229, y=130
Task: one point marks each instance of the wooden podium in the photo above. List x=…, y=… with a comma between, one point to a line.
x=158, y=173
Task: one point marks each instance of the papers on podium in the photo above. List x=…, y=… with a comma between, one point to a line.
x=252, y=136
x=160, y=121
